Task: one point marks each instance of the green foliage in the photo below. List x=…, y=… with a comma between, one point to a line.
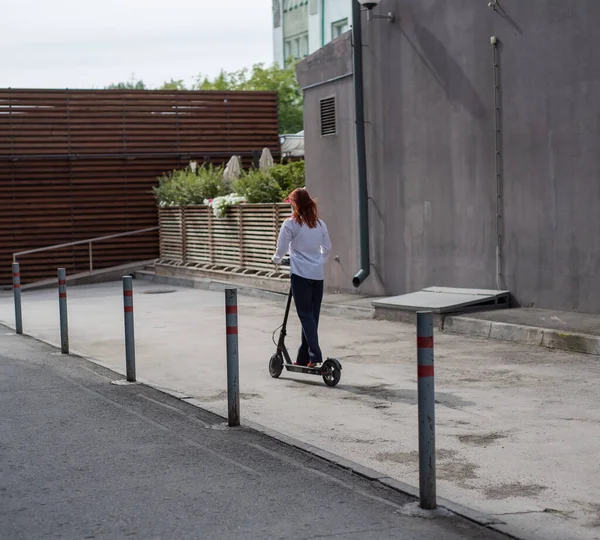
x=186, y=187
x=275, y=79
x=211, y=182
x=258, y=186
x=272, y=185
x=132, y=84
x=173, y=85
x=289, y=176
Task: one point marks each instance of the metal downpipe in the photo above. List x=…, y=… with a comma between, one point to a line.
x=363, y=195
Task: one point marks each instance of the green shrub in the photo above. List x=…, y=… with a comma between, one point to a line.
x=258, y=187
x=169, y=191
x=289, y=177
x=186, y=187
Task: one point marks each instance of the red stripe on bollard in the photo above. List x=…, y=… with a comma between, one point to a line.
x=17, y=286
x=425, y=371
x=231, y=310
x=425, y=342
x=62, y=281
x=62, y=295
x=128, y=309
x=17, y=274
x=232, y=330
x=127, y=293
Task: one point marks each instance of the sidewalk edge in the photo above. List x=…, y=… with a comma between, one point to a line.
x=526, y=335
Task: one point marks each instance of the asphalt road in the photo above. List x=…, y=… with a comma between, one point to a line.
x=83, y=458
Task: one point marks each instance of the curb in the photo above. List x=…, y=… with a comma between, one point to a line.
x=85, y=278
x=474, y=516
x=526, y=335
x=255, y=292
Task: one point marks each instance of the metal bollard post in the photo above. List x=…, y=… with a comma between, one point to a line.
x=233, y=367
x=62, y=309
x=427, y=491
x=16, y=273
x=129, y=334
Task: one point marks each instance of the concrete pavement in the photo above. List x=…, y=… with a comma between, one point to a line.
x=567, y=331
x=82, y=458
x=517, y=426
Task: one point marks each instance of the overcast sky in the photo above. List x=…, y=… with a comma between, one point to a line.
x=92, y=43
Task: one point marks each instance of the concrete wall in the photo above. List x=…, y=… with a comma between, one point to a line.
x=431, y=150
x=331, y=163
x=278, y=46
x=314, y=26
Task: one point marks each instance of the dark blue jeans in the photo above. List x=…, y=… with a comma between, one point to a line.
x=308, y=294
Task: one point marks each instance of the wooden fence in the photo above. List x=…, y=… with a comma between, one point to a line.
x=81, y=164
x=243, y=241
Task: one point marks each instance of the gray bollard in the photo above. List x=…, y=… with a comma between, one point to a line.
x=129, y=333
x=62, y=309
x=16, y=274
x=233, y=368
x=427, y=491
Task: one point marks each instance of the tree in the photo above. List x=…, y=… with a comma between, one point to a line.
x=275, y=79
x=173, y=85
x=132, y=84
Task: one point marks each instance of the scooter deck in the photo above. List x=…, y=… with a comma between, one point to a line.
x=318, y=370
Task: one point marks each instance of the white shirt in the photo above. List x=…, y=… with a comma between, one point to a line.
x=309, y=248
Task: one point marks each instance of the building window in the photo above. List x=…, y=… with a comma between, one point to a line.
x=338, y=28
x=287, y=50
x=297, y=47
x=305, y=45
x=328, y=117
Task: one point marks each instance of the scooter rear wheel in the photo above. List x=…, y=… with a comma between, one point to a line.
x=331, y=373
x=275, y=366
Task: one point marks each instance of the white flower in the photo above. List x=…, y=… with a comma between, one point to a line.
x=220, y=204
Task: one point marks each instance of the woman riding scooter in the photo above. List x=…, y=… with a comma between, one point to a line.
x=304, y=236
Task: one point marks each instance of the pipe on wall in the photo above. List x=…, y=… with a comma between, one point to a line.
x=322, y=23
x=363, y=195
x=498, y=161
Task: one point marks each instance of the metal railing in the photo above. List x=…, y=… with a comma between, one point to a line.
x=89, y=241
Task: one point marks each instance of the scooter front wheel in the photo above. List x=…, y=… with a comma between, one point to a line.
x=332, y=372
x=276, y=365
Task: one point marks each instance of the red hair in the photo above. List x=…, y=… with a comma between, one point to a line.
x=305, y=208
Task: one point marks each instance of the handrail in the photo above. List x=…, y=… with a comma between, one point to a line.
x=89, y=241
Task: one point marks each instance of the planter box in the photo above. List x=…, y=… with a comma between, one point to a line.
x=242, y=242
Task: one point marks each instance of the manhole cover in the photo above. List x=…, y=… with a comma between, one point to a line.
x=159, y=291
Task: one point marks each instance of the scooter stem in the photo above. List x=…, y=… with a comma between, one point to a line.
x=287, y=312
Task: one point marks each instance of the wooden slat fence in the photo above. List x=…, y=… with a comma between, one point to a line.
x=244, y=240
x=77, y=164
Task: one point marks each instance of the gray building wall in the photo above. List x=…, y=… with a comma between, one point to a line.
x=331, y=161
x=429, y=89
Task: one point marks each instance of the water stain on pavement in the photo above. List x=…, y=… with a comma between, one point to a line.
x=480, y=440
x=386, y=392
x=513, y=490
x=458, y=471
x=413, y=457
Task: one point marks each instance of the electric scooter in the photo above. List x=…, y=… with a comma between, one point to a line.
x=330, y=370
